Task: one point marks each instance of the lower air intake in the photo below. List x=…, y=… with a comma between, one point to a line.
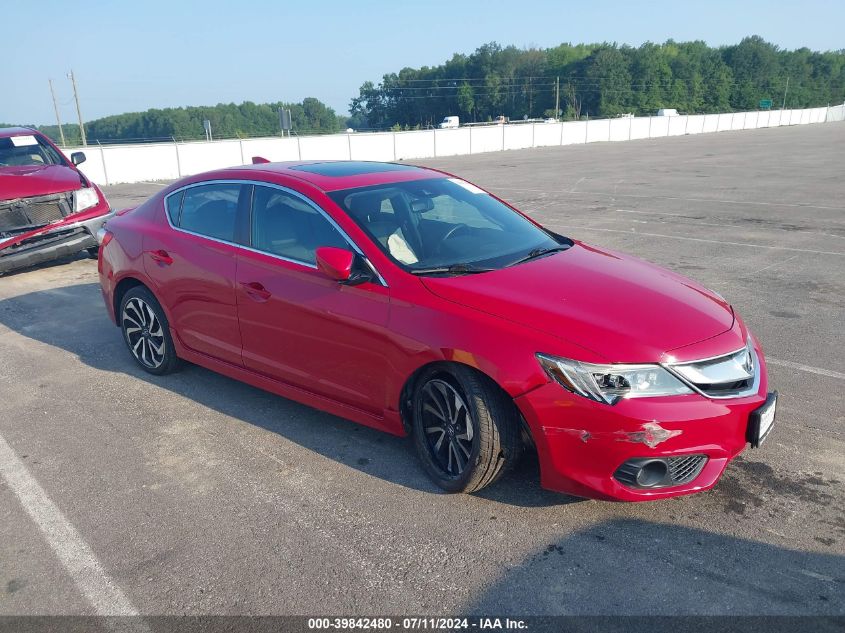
x=660, y=472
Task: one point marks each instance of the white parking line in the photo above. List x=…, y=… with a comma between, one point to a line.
x=770, y=266
x=696, y=222
x=794, y=205
x=75, y=555
x=813, y=370
x=696, y=239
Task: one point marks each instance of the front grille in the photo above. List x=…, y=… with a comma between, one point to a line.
x=45, y=212
x=727, y=388
x=12, y=218
x=34, y=212
x=660, y=472
x=727, y=376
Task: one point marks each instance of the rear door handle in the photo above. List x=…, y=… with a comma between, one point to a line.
x=161, y=256
x=256, y=291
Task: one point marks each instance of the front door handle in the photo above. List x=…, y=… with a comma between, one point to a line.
x=256, y=291
x=161, y=256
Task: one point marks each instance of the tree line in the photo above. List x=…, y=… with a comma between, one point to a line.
x=586, y=80
x=227, y=121
x=601, y=80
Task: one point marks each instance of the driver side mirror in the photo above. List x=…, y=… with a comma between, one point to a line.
x=339, y=264
x=77, y=158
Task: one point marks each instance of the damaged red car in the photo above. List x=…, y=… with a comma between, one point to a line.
x=416, y=303
x=48, y=208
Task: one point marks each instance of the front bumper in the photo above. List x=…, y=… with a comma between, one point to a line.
x=52, y=242
x=582, y=444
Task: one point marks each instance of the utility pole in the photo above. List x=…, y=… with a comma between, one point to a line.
x=557, y=97
x=530, y=95
x=56, y=108
x=78, y=111
x=783, y=106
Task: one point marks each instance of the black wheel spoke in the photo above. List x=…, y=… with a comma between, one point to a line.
x=447, y=426
x=464, y=447
x=144, y=333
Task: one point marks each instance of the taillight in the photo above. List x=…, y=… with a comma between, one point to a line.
x=104, y=236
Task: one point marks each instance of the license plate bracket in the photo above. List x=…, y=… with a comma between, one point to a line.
x=761, y=421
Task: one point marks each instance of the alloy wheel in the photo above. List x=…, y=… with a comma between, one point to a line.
x=144, y=333
x=448, y=426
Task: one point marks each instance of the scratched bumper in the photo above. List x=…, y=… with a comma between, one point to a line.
x=55, y=241
x=581, y=443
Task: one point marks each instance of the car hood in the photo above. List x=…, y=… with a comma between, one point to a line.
x=36, y=180
x=618, y=306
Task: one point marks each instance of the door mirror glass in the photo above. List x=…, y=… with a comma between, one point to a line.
x=77, y=158
x=335, y=262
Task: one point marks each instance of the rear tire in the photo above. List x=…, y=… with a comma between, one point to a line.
x=466, y=429
x=147, y=332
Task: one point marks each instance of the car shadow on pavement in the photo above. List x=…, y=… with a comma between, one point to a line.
x=636, y=567
x=90, y=336
x=55, y=263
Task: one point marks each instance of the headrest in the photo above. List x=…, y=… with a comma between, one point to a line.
x=364, y=205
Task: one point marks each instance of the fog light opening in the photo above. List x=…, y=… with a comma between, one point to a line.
x=652, y=473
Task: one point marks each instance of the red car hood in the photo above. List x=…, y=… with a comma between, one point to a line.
x=621, y=307
x=36, y=180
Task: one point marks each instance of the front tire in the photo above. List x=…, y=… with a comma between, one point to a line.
x=466, y=429
x=147, y=332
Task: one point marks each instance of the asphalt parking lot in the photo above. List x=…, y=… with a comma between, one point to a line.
x=195, y=494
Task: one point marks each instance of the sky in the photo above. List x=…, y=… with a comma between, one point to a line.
x=131, y=56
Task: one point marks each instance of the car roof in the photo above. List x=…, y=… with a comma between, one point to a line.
x=345, y=174
x=6, y=132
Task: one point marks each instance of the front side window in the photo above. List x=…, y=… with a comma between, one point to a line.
x=283, y=224
x=443, y=222
x=26, y=150
x=209, y=210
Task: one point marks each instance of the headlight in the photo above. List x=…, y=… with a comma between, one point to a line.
x=610, y=383
x=85, y=199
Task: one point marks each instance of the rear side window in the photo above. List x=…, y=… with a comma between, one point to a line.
x=174, y=206
x=210, y=210
x=286, y=225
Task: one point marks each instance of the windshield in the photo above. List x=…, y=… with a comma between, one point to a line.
x=443, y=222
x=27, y=149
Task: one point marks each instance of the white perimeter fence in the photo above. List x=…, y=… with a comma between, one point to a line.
x=110, y=164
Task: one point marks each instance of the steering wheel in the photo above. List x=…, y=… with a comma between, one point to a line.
x=450, y=234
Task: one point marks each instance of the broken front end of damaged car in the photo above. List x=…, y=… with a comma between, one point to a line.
x=48, y=208
x=638, y=449
x=40, y=229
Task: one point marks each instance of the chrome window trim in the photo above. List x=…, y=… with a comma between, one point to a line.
x=755, y=386
x=261, y=183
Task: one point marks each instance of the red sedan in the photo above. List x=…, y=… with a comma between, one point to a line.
x=414, y=302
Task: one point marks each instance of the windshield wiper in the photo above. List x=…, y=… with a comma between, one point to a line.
x=539, y=252
x=454, y=269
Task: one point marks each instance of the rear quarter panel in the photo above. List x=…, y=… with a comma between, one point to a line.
x=122, y=257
